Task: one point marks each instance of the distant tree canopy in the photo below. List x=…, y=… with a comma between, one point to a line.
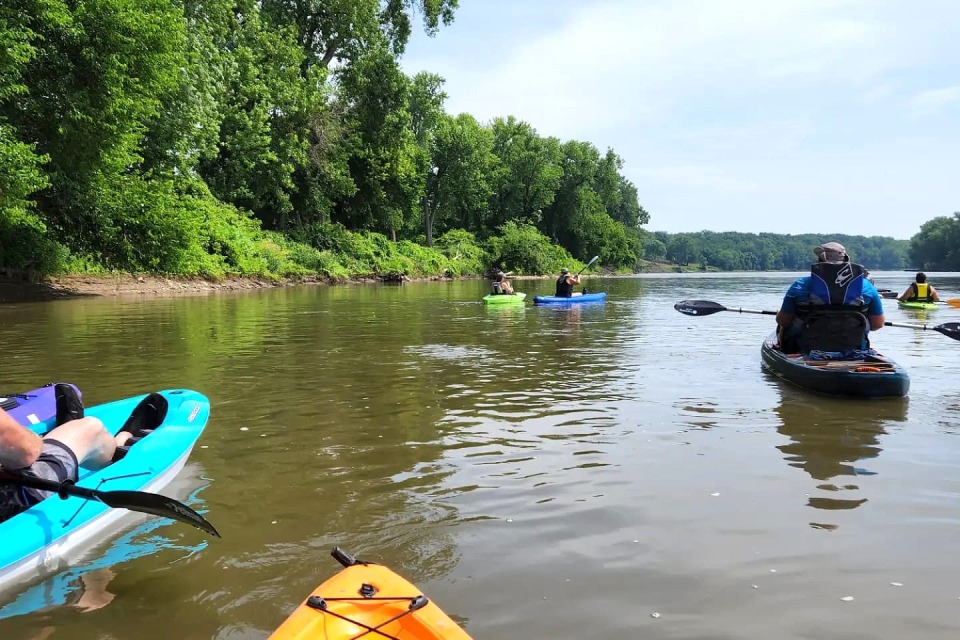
x=937, y=246
x=733, y=251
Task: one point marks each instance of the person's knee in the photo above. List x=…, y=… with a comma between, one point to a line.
x=80, y=435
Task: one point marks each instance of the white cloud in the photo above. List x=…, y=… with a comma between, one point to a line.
x=933, y=101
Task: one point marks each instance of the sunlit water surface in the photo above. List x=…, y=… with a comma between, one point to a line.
x=539, y=472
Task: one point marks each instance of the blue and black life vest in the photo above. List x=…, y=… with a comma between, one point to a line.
x=564, y=288
x=834, y=316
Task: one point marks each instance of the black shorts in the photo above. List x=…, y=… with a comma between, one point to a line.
x=56, y=462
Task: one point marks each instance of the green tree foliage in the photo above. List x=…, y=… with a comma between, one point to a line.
x=384, y=163
x=329, y=30
x=215, y=137
x=523, y=249
x=459, y=182
x=936, y=246
x=529, y=173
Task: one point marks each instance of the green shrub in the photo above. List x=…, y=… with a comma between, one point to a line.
x=524, y=250
x=465, y=255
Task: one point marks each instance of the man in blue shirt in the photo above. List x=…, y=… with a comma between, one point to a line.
x=855, y=290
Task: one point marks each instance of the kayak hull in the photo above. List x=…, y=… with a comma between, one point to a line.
x=917, y=306
x=873, y=377
x=52, y=534
x=515, y=298
x=318, y=617
x=574, y=299
x=33, y=408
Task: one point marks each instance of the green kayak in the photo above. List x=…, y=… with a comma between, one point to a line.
x=504, y=298
x=923, y=306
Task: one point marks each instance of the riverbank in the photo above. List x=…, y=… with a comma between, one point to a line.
x=19, y=288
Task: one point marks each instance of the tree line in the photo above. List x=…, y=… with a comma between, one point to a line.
x=936, y=247
x=735, y=251
x=191, y=135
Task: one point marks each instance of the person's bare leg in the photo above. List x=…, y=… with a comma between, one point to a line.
x=89, y=440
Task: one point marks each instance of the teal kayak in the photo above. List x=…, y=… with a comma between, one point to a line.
x=576, y=298
x=504, y=298
x=52, y=534
x=917, y=306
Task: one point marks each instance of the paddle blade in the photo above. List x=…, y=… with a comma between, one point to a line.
x=953, y=302
x=950, y=329
x=698, y=307
x=158, y=505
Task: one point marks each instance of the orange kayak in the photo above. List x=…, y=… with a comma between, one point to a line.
x=369, y=601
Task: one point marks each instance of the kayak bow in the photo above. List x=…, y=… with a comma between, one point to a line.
x=367, y=600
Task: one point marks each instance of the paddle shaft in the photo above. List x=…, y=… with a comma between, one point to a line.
x=595, y=258
x=142, y=501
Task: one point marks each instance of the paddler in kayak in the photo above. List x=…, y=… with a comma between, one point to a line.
x=501, y=286
x=832, y=309
x=920, y=291
x=565, y=283
x=57, y=455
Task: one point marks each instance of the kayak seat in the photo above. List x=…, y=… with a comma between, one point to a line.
x=69, y=405
x=834, y=331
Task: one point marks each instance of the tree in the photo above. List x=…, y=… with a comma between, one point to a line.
x=458, y=192
x=384, y=157
x=344, y=30
x=937, y=245
x=530, y=172
x=426, y=111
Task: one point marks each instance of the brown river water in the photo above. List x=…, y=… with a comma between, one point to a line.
x=539, y=472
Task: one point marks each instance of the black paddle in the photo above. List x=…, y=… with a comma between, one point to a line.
x=707, y=307
x=595, y=258
x=152, y=503
x=950, y=329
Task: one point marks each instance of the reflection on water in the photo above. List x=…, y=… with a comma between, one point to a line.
x=829, y=437
x=84, y=585
x=541, y=472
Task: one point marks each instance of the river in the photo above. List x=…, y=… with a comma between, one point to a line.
x=539, y=472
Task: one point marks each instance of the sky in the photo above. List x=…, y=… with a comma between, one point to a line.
x=786, y=116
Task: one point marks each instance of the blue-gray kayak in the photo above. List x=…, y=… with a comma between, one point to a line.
x=873, y=376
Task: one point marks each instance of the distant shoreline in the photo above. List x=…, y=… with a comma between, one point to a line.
x=15, y=289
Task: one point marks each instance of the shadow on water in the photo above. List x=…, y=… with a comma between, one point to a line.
x=829, y=439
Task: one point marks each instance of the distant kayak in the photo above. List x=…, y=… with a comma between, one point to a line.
x=868, y=377
x=917, y=306
x=504, y=298
x=370, y=601
x=33, y=408
x=574, y=299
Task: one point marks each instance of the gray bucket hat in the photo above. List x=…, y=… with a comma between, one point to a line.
x=831, y=252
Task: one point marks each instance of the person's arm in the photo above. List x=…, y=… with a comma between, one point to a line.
x=875, y=310
x=906, y=293
x=788, y=308
x=574, y=279
x=934, y=294
x=19, y=447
